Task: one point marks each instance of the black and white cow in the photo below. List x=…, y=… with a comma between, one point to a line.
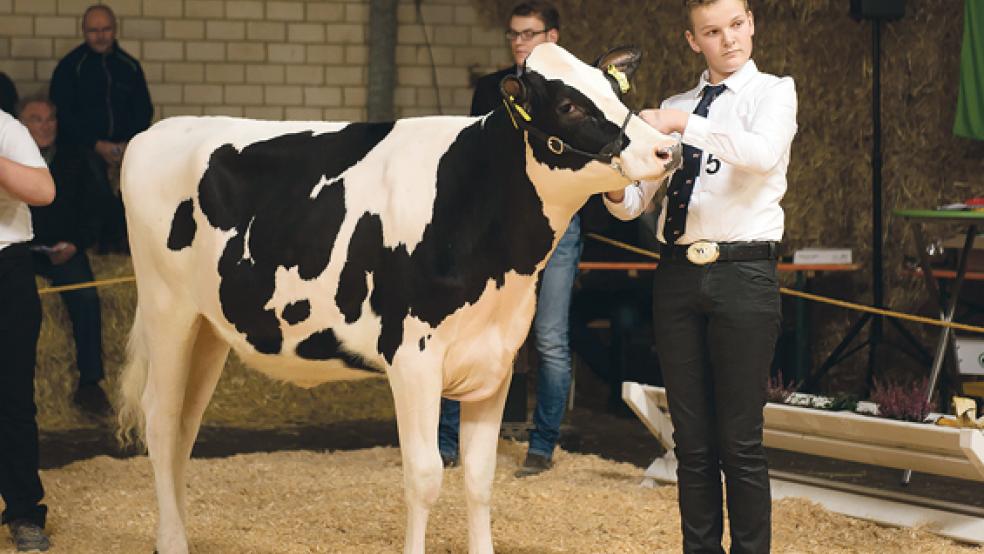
x=320, y=250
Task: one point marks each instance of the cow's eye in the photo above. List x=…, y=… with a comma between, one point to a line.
x=569, y=108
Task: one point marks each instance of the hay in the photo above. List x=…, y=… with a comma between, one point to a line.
x=352, y=502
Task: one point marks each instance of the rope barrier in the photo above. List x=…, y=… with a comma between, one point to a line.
x=88, y=284
x=817, y=298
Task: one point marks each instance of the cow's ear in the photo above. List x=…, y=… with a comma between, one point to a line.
x=513, y=89
x=619, y=64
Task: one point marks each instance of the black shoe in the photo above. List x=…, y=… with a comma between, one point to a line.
x=534, y=464
x=449, y=460
x=92, y=400
x=28, y=536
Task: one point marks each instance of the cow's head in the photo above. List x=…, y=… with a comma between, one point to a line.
x=576, y=121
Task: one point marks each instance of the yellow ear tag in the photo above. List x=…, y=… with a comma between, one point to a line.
x=520, y=110
x=620, y=78
x=508, y=111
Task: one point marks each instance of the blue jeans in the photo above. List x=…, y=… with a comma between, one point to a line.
x=551, y=328
x=83, y=310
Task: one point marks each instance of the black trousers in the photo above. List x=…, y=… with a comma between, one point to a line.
x=716, y=328
x=20, y=324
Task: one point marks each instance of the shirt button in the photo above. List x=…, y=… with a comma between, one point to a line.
x=681, y=206
x=690, y=181
x=676, y=192
x=676, y=232
x=696, y=155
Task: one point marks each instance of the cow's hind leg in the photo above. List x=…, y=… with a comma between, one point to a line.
x=417, y=396
x=170, y=403
x=480, y=423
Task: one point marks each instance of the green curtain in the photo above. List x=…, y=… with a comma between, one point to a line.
x=970, y=102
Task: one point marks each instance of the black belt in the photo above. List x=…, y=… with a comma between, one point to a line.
x=729, y=251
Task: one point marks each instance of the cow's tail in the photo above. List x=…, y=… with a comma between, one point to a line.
x=130, y=419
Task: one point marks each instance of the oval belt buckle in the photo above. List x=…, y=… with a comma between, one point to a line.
x=703, y=252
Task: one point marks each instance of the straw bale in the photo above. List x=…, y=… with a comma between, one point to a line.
x=244, y=398
x=830, y=56
x=352, y=502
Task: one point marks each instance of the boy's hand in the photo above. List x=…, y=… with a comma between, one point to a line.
x=666, y=121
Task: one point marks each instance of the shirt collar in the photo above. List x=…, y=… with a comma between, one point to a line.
x=735, y=82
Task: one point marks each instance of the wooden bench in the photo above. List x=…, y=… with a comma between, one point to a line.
x=847, y=436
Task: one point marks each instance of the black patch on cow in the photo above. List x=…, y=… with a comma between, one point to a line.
x=296, y=312
x=264, y=191
x=324, y=345
x=487, y=220
x=422, y=344
x=183, y=226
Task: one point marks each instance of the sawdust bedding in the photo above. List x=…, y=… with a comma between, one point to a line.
x=352, y=502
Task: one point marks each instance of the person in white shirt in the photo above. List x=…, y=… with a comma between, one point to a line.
x=24, y=179
x=716, y=302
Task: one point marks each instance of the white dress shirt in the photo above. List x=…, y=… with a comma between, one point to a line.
x=16, y=145
x=745, y=140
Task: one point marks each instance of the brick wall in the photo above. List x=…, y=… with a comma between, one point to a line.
x=263, y=58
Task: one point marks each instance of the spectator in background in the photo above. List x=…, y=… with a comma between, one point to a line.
x=23, y=180
x=103, y=101
x=62, y=231
x=8, y=94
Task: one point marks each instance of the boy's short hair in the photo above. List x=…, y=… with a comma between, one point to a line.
x=690, y=5
x=37, y=97
x=538, y=8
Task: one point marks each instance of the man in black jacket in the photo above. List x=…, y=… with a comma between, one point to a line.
x=62, y=231
x=102, y=99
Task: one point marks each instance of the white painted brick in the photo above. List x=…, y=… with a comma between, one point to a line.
x=184, y=72
x=184, y=29
x=246, y=52
x=345, y=75
x=413, y=34
x=464, y=57
x=404, y=97
x=354, y=97
x=451, y=34
x=463, y=97
x=141, y=28
x=487, y=37
x=325, y=54
x=245, y=9
x=427, y=99
x=225, y=30
x=162, y=8
x=283, y=95
x=4, y=47
x=203, y=94
x=6, y=6
x=56, y=27
x=18, y=70
x=266, y=30
x=305, y=74
x=153, y=71
x=442, y=55
x=75, y=7
x=465, y=15
x=230, y=111
x=325, y=11
x=28, y=88
x=303, y=114
x=204, y=8
x=30, y=47
x=45, y=68
x=344, y=114
x=163, y=50
x=132, y=47
x=406, y=55
x=357, y=13
x=266, y=74
x=166, y=94
x=124, y=8
x=305, y=32
x=406, y=14
x=413, y=76
x=357, y=55
x=271, y=113
x=225, y=73
x=65, y=45
x=35, y=6
x=349, y=33
x=288, y=11
x=322, y=96
x=452, y=77
x=17, y=26
x=435, y=14
x=206, y=51
x=285, y=53
x=174, y=111
x=244, y=94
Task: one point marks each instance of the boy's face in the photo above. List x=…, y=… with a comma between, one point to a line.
x=722, y=32
x=530, y=25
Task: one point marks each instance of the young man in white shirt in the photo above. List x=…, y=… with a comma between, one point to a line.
x=716, y=301
x=24, y=179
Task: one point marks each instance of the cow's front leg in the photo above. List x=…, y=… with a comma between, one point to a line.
x=480, y=422
x=417, y=395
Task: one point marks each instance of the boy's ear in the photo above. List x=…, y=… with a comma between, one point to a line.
x=619, y=64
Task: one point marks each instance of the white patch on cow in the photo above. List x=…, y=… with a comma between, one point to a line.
x=324, y=182
x=249, y=227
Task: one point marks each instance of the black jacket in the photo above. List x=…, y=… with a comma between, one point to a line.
x=487, y=96
x=74, y=216
x=100, y=97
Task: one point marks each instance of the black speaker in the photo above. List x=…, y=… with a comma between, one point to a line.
x=878, y=9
